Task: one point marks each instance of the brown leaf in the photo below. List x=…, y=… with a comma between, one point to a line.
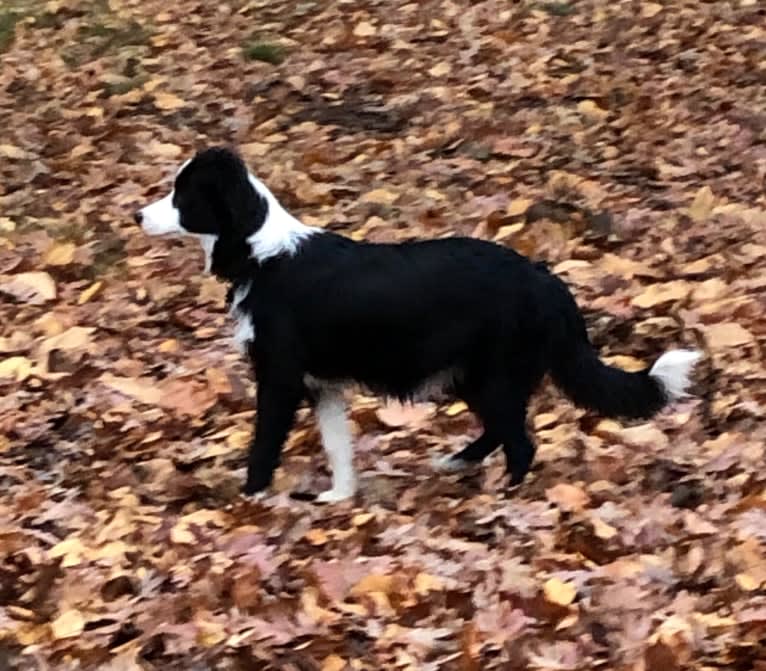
x=70, y=623
x=364, y=29
x=657, y=294
x=168, y=101
x=333, y=663
x=35, y=287
x=395, y=414
x=12, y=151
x=727, y=334
x=18, y=368
x=144, y=390
x=703, y=204
x=60, y=254
x=568, y=497
x=380, y=197
x=559, y=592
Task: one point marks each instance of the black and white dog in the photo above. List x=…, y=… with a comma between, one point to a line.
x=317, y=312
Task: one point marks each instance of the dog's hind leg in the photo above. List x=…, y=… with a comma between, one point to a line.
x=517, y=445
x=472, y=454
x=337, y=442
x=502, y=406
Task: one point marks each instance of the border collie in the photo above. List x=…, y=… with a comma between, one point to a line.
x=316, y=312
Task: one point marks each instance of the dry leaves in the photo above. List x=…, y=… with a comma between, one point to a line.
x=621, y=143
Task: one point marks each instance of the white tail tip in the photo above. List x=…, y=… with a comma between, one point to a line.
x=672, y=370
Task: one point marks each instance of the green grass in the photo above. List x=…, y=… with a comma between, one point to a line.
x=119, y=88
x=8, y=21
x=268, y=52
x=558, y=8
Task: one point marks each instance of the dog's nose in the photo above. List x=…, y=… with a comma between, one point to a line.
x=138, y=217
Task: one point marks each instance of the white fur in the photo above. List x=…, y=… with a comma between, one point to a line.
x=449, y=464
x=161, y=218
x=281, y=233
x=207, y=240
x=244, y=332
x=337, y=441
x=672, y=370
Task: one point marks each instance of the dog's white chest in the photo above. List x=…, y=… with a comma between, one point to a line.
x=244, y=329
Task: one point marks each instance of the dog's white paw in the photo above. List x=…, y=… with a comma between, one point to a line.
x=336, y=494
x=450, y=464
x=257, y=497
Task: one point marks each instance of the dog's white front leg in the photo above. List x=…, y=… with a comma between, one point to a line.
x=337, y=441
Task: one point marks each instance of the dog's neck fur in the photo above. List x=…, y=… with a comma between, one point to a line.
x=237, y=260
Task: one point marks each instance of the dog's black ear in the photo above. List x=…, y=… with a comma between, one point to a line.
x=247, y=207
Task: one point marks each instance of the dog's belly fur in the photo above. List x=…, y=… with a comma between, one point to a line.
x=436, y=388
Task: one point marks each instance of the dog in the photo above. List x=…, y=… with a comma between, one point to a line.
x=317, y=312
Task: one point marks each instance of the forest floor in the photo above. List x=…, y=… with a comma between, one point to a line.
x=622, y=142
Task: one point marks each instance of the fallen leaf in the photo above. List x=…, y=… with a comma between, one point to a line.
x=317, y=536
x=425, y=583
x=602, y=529
x=18, y=368
x=650, y=9
x=395, y=414
x=89, y=293
x=168, y=102
x=380, y=197
x=12, y=151
x=644, y=435
x=440, y=69
x=518, y=207
x=60, y=254
x=590, y=109
x=703, y=204
x=35, y=287
x=364, y=29
x=657, y=294
x=333, y=663
x=71, y=550
x=165, y=150
x=70, y=623
x=456, y=408
x=567, y=497
x=559, y=592
x=727, y=334
x=76, y=337
x=747, y=582
x=373, y=583
x=144, y=390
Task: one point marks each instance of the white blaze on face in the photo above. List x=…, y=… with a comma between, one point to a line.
x=161, y=217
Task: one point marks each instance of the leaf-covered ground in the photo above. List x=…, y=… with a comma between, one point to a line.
x=623, y=142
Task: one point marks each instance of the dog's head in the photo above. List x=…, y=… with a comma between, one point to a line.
x=235, y=216
x=212, y=195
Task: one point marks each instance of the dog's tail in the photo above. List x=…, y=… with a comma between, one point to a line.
x=610, y=391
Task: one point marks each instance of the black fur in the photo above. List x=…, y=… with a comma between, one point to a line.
x=391, y=316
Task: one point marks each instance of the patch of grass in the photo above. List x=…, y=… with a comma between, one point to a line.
x=118, y=88
x=99, y=36
x=268, y=52
x=13, y=11
x=558, y=8
x=108, y=37
x=49, y=20
x=8, y=21
x=108, y=256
